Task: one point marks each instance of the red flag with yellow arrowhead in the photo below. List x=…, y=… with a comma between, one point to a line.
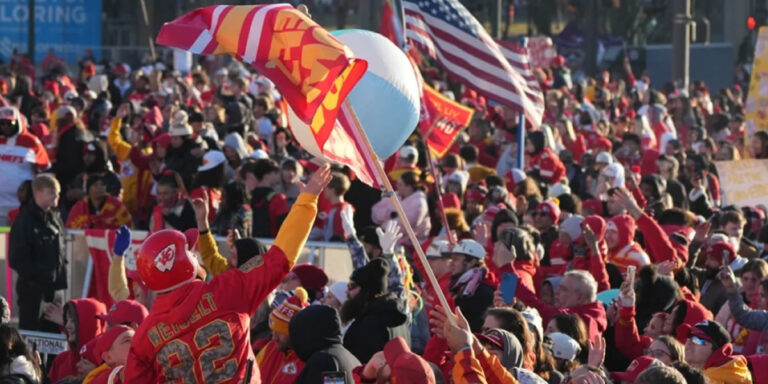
x=312, y=70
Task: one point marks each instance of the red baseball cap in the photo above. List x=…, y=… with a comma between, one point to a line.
x=125, y=311
x=106, y=339
x=493, y=338
x=637, y=367
x=406, y=366
x=550, y=208
x=88, y=351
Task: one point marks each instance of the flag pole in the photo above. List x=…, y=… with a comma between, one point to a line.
x=390, y=192
x=438, y=181
x=521, y=125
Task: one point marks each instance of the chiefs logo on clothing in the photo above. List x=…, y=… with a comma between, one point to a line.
x=164, y=260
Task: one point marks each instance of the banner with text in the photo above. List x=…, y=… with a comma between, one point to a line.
x=441, y=120
x=757, y=96
x=69, y=27
x=744, y=182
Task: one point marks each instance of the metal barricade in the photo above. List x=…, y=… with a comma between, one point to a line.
x=334, y=258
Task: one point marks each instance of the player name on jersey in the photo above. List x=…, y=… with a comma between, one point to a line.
x=163, y=332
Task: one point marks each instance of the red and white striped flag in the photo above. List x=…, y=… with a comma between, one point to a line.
x=446, y=31
x=100, y=243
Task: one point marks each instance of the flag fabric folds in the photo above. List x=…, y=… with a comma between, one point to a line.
x=446, y=31
x=100, y=243
x=442, y=119
x=312, y=70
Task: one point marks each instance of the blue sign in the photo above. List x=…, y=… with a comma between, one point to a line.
x=69, y=27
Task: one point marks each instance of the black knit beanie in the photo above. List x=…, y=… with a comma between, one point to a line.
x=248, y=248
x=372, y=277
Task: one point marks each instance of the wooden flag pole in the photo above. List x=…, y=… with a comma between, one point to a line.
x=438, y=178
x=399, y=208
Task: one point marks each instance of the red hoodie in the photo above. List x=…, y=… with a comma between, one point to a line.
x=88, y=327
x=593, y=314
x=595, y=264
x=657, y=242
x=694, y=313
x=626, y=252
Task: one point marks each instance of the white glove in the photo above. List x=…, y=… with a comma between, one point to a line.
x=347, y=221
x=389, y=237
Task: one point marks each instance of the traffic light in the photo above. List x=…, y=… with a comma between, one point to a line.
x=751, y=23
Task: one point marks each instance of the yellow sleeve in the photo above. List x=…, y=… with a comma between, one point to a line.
x=295, y=229
x=118, y=282
x=467, y=369
x=121, y=147
x=260, y=355
x=213, y=261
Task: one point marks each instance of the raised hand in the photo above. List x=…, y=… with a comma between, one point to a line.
x=727, y=278
x=318, y=181
x=503, y=255
x=482, y=233
x=624, y=198
x=702, y=232
x=596, y=353
x=122, y=241
x=389, y=237
x=201, y=212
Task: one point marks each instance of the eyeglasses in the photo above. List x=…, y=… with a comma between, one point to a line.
x=351, y=286
x=657, y=353
x=698, y=341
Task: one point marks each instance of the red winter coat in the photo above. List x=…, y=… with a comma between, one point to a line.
x=550, y=168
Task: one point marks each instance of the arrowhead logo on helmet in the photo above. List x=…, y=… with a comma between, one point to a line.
x=164, y=260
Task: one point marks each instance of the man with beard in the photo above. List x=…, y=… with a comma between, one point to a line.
x=469, y=282
x=376, y=316
x=713, y=294
x=277, y=361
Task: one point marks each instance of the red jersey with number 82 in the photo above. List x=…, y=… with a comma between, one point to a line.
x=199, y=333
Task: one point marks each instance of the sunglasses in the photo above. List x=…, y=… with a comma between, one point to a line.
x=698, y=340
x=351, y=286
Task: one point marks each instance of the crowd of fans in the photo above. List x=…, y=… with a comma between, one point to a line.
x=625, y=263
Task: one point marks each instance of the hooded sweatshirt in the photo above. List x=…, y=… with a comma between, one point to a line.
x=593, y=314
x=316, y=337
x=595, y=264
x=179, y=317
x=626, y=252
x=694, y=313
x=723, y=367
x=544, y=160
x=88, y=326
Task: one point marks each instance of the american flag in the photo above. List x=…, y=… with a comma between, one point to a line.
x=446, y=31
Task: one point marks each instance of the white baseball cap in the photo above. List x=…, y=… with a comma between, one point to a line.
x=470, y=248
x=563, y=346
x=433, y=251
x=211, y=160
x=604, y=157
x=408, y=152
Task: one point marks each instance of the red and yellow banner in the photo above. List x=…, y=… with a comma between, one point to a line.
x=312, y=70
x=442, y=119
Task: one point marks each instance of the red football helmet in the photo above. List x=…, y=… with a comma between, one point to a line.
x=165, y=260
